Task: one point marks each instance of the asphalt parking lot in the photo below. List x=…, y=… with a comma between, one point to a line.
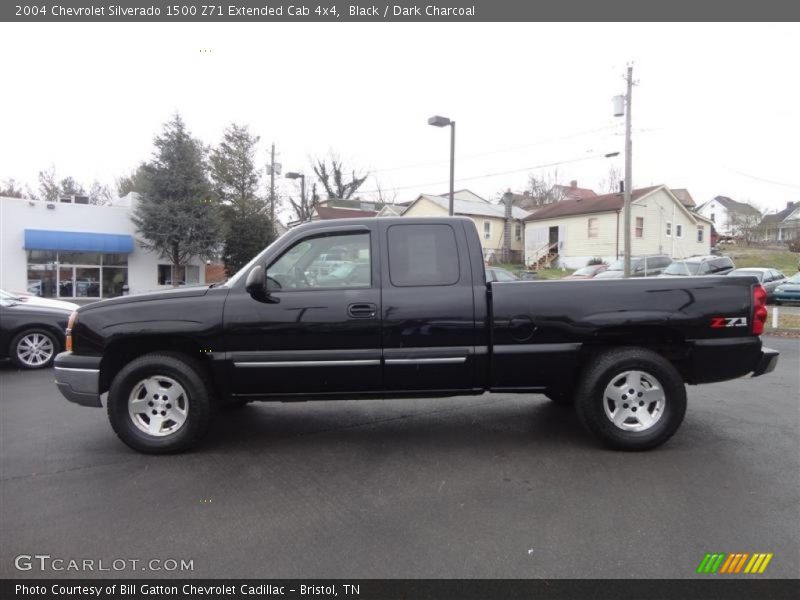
x=494, y=486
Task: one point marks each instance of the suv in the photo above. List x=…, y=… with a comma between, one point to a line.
x=700, y=265
x=641, y=266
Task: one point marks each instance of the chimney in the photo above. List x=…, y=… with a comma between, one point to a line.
x=573, y=184
x=508, y=200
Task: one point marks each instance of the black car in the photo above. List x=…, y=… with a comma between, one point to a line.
x=31, y=334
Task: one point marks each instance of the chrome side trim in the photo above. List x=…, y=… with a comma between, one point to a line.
x=73, y=369
x=308, y=363
x=445, y=360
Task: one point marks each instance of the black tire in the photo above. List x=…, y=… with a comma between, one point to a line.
x=607, y=368
x=561, y=397
x=197, y=387
x=14, y=346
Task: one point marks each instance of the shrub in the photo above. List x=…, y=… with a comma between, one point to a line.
x=596, y=260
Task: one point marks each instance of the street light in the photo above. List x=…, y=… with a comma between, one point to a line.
x=302, y=178
x=438, y=121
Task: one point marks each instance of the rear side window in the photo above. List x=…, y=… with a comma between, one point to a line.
x=422, y=255
x=720, y=264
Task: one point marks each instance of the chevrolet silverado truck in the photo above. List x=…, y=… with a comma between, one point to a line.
x=398, y=308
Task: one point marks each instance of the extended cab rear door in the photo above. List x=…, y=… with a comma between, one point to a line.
x=428, y=306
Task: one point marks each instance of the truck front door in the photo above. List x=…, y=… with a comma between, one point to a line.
x=319, y=332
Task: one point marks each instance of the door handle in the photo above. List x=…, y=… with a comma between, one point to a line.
x=365, y=310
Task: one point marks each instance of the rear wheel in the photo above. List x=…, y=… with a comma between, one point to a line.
x=34, y=349
x=160, y=403
x=631, y=399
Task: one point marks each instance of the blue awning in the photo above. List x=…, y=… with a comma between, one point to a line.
x=77, y=241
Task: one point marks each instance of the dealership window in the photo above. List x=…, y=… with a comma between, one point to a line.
x=70, y=274
x=700, y=234
x=592, y=227
x=639, y=227
x=184, y=274
x=678, y=230
x=518, y=232
x=669, y=229
x=487, y=230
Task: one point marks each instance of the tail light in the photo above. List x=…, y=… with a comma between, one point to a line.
x=70, y=324
x=759, y=309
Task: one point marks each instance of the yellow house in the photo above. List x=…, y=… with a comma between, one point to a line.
x=489, y=218
x=575, y=231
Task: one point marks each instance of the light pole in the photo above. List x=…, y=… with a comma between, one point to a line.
x=622, y=105
x=438, y=121
x=302, y=178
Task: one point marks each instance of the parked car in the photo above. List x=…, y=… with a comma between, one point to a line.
x=700, y=265
x=32, y=300
x=499, y=274
x=788, y=290
x=769, y=278
x=31, y=334
x=641, y=266
x=426, y=324
x=588, y=272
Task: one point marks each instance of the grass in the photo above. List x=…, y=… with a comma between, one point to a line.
x=782, y=260
x=786, y=320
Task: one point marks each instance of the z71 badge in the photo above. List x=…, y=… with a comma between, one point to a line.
x=720, y=322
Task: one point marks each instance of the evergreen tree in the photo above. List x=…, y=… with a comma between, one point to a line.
x=248, y=228
x=177, y=214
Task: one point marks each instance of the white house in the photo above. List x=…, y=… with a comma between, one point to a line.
x=782, y=226
x=489, y=218
x=80, y=252
x=728, y=215
x=572, y=232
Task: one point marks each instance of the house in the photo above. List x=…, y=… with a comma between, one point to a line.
x=782, y=226
x=556, y=193
x=489, y=218
x=685, y=197
x=730, y=217
x=81, y=252
x=571, y=232
x=392, y=210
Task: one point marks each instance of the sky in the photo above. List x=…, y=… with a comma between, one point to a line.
x=716, y=108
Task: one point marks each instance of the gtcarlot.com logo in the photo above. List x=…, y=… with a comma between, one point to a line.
x=734, y=563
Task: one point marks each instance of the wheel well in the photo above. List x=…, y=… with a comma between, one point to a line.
x=662, y=340
x=120, y=353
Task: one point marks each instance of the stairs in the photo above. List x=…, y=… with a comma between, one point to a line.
x=544, y=257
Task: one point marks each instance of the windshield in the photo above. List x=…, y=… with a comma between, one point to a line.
x=794, y=278
x=682, y=268
x=747, y=273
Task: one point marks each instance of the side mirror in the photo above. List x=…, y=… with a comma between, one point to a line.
x=256, y=284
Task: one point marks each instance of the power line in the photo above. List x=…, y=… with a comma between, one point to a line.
x=764, y=179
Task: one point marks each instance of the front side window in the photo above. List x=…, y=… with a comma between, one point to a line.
x=487, y=230
x=331, y=261
x=592, y=228
x=639, y=227
x=423, y=255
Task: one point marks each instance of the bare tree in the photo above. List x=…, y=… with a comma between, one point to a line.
x=334, y=179
x=9, y=189
x=544, y=189
x=99, y=194
x=610, y=183
x=383, y=195
x=304, y=206
x=746, y=224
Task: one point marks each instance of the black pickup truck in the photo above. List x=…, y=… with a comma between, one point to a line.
x=400, y=307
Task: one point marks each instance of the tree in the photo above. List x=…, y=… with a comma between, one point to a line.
x=544, y=190
x=745, y=224
x=610, y=184
x=9, y=189
x=304, y=207
x=49, y=189
x=99, y=193
x=177, y=214
x=333, y=179
x=248, y=228
x=70, y=187
x=137, y=181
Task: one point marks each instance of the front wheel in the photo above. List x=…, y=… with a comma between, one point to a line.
x=160, y=403
x=631, y=399
x=34, y=349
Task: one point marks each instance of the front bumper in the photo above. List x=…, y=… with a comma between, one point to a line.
x=767, y=362
x=78, y=378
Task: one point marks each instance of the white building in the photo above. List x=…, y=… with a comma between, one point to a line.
x=729, y=216
x=571, y=232
x=80, y=252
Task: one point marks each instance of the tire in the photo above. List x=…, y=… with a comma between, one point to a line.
x=560, y=397
x=34, y=349
x=181, y=403
x=659, y=399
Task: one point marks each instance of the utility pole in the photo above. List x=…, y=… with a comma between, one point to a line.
x=628, y=173
x=272, y=169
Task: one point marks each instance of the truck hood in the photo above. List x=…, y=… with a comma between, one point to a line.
x=176, y=294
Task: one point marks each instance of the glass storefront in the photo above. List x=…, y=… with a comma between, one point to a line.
x=67, y=274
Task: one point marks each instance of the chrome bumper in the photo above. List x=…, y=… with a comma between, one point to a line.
x=78, y=378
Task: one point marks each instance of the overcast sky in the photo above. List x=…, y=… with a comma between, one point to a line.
x=716, y=108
